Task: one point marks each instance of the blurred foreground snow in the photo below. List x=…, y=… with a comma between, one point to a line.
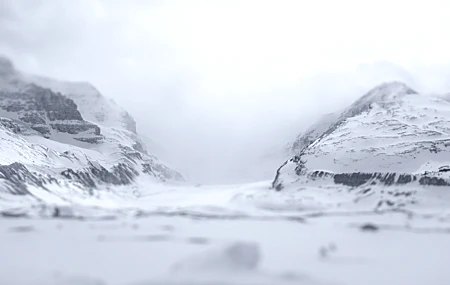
x=238, y=234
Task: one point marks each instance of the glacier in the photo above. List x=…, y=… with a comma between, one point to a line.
x=364, y=199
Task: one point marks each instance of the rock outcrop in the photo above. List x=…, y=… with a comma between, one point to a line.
x=44, y=111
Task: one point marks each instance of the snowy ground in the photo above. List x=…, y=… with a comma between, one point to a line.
x=238, y=234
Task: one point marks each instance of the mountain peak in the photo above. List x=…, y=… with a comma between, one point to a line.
x=388, y=91
x=389, y=131
x=382, y=94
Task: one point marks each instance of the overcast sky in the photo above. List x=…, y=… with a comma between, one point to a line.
x=218, y=83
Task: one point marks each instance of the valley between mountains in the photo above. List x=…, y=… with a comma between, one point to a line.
x=360, y=197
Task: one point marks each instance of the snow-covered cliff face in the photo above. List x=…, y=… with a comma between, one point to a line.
x=57, y=134
x=92, y=105
x=47, y=113
x=391, y=129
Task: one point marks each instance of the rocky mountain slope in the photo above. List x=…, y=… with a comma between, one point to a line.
x=56, y=134
x=392, y=135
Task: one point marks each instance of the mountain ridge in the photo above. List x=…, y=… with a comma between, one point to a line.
x=390, y=129
x=46, y=140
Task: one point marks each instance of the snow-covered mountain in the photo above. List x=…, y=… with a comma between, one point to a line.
x=391, y=135
x=64, y=134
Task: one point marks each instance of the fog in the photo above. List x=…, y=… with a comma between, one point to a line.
x=222, y=86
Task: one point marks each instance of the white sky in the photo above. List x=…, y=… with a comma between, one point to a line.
x=218, y=83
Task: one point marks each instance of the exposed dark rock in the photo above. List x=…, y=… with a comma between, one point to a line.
x=147, y=168
x=319, y=174
x=352, y=179
x=301, y=168
x=120, y=174
x=17, y=177
x=276, y=183
x=405, y=179
x=279, y=186
x=32, y=118
x=131, y=153
x=369, y=228
x=83, y=177
x=75, y=128
x=357, y=179
x=43, y=129
x=387, y=179
x=57, y=106
x=123, y=174
x=445, y=168
x=36, y=106
x=35, y=100
x=433, y=181
x=91, y=140
x=10, y=125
